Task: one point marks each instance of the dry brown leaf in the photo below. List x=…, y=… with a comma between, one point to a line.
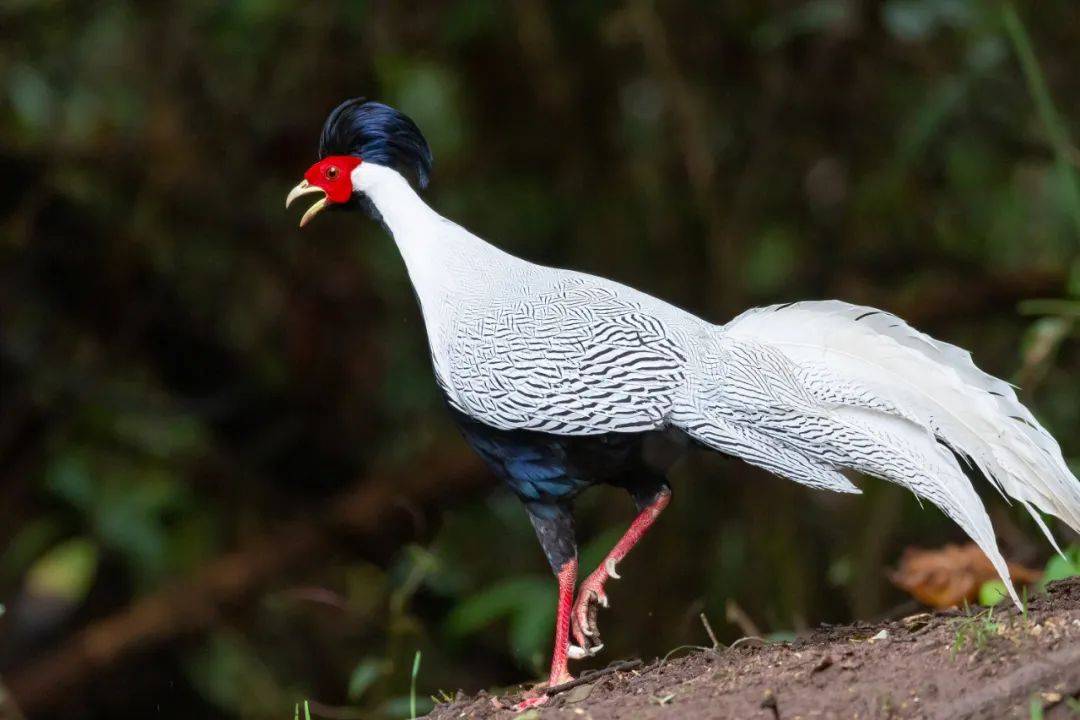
x=946, y=577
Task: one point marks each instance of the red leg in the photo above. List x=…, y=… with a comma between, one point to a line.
x=567, y=580
x=559, y=674
x=591, y=593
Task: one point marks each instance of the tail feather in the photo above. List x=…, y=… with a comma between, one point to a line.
x=854, y=387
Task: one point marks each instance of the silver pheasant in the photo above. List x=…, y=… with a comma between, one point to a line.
x=555, y=377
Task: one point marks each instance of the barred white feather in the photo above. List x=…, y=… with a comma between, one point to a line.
x=936, y=385
x=937, y=393
x=805, y=390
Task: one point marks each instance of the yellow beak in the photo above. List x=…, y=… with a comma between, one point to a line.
x=306, y=188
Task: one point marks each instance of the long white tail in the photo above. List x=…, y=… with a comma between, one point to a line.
x=813, y=387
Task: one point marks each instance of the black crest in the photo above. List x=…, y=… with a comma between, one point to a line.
x=379, y=134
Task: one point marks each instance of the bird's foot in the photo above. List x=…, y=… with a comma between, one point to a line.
x=530, y=701
x=591, y=597
x=537, y=696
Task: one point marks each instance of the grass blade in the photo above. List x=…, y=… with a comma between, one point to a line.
x=412, y=687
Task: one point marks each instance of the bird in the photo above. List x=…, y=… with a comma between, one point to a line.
x=558, y=379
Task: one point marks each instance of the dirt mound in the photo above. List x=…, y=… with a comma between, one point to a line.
x=975, y=664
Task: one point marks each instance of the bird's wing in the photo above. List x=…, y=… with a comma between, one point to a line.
x=853, y=387
x=576, y=359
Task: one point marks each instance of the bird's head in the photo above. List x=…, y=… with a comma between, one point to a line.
x=359, y=133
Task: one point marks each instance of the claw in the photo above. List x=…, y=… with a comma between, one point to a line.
x=530, y=702
x=609, y=565
x=575, y=652
x=591, y=597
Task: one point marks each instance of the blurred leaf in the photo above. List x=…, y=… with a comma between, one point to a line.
x=592, y=553
x=364, y=675
x=125, y=504
x=1059, y=568
x=531, y=626
x=366, y=588
x=781, y=636
x=527, y=602
x=807, y=18
x=30, y=542
x=31, y=97
x=1060, y=308
x=916, y=20
x=65, y=572
x=415, y=565
x=841, y=571
x=951, y=575
x=986, y=54
x=68, y=477
x=992, y=592
x=230, y=674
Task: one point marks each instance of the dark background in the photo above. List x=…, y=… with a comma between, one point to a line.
x=227, y=482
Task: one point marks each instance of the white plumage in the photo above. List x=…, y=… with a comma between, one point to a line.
x=806, y=390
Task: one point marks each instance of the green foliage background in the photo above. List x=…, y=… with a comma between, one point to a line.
x=184, y=371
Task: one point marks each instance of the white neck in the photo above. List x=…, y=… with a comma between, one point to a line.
x=404, y=212
x=414, y=225
x=443, y=259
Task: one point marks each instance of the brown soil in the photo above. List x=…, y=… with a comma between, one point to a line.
x=942, y=665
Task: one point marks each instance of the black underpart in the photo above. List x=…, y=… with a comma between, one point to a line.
x=647, y=493
x=555, y=531
x=548, y=471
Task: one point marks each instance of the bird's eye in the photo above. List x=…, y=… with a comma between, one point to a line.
x=331, y=173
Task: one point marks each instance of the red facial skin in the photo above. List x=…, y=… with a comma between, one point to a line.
x=332, y=174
